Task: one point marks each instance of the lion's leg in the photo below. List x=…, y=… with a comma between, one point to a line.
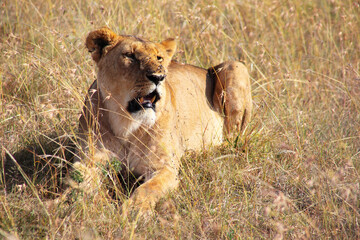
x=232, y=94
x=146, y=195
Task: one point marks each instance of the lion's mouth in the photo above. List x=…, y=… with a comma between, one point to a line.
x=148, y=101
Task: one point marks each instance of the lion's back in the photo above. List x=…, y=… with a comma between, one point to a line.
x=197, y=122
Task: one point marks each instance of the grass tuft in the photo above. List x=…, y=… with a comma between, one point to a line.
x=293, y=175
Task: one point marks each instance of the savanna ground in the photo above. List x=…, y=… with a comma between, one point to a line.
x=294, y=174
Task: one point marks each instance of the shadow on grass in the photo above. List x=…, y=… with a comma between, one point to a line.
x=46, y=164
x=43, y=164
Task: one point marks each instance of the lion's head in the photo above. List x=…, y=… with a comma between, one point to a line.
x=131, y=71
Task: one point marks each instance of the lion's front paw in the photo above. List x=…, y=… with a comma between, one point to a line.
x=145, y=197
x=131, y=209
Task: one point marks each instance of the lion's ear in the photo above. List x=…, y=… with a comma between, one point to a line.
x=98, y=42
x=170, y=46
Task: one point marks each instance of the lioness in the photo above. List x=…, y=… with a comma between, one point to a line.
x=146, y=110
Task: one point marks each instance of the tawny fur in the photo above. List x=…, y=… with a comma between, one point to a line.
x=196, y=108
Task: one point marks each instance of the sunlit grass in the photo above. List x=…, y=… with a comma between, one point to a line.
x=295, y=172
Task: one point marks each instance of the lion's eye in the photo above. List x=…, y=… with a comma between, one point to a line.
x=160, y=59
x=130, y=55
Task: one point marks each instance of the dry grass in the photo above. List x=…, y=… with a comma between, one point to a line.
x=295, y=173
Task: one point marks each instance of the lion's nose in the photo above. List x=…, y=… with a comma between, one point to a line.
x=155, y=78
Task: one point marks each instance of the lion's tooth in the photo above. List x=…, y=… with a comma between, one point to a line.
x=153, y=99
x=141, y=100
